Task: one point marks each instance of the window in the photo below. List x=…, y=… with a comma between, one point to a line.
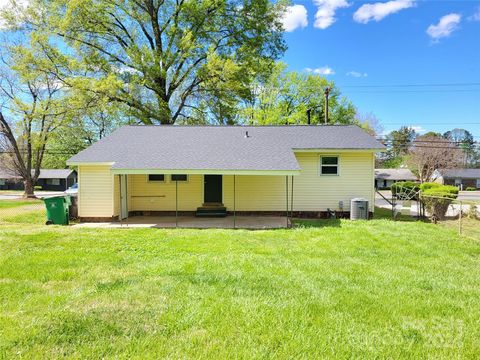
x=179, y=177
x=156, y=177
x=329, y=165
x=2, y=181
x=478, y=183
x=53, y=181
x=458, y=182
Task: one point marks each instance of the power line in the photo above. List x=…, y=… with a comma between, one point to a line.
x=413, y=85
x=414, y=91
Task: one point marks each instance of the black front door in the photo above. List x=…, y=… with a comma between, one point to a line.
x=212, y=185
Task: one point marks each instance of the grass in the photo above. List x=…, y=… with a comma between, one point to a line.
x=22, y=211
x=8, y=204
x=376, y=289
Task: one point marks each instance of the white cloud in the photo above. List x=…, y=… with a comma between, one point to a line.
x=418, y=129
x=294, y=17
x=446, y=25
x=356, y=74
x=326, y=9
x=324, y=70
x=380, y=10
x=476, y=16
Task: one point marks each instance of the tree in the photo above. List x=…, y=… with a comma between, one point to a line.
x=398, y=143
x=161, y=58
x=34, y=105
x=464, y=139
x=429, y=153
x=285, y=97
x=400, y=140
x=370, y=123
x=88, y=127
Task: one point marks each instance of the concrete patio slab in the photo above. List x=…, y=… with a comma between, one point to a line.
x=241, y=222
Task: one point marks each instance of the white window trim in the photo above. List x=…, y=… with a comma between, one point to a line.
x=147, y=178
x=320, y=164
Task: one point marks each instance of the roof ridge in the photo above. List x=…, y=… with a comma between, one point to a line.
x=238, y=126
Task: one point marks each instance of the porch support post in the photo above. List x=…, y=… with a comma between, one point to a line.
x=286, y=197
x=176, y=203
x=234, y=205
x=291, y=202
x=120, y=217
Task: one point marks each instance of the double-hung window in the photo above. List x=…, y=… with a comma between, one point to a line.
x=329, y=165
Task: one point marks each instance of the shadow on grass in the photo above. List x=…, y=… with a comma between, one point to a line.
x=381, y=213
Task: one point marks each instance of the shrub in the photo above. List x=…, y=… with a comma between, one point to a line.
x=470, y=189
x=429, y=185
x=406, y=190
x=437, y=198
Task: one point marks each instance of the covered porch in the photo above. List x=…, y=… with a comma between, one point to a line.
x=193, y=199
x=192, y=222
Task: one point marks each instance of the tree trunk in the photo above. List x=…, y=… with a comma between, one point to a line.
x=29, y=189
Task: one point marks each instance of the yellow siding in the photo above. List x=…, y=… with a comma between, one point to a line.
x=356, y=179
x=160, y=196
x=95, y=193
x=99, y=189
x=312, y=192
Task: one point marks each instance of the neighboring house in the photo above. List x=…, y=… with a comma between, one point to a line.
x=462, y=178
x=385, y=178
x=49, y=179
x=141, y=170
x=9, y=181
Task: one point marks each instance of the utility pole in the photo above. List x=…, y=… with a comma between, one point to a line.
x=327, y=94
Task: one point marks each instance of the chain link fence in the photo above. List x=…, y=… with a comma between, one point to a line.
x=20, y=211
x=463, y=215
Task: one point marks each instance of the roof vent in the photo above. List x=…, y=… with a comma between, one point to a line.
x=246, y=135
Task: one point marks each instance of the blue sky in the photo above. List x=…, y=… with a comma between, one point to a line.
x=398, y=42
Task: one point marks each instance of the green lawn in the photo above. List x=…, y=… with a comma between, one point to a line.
x=338, y=289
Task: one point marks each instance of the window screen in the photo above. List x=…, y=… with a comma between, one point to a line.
x=329, y=165
x=179, y=177
x=156, y=177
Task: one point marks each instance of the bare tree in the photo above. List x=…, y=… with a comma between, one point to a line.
x=429, y=153
x=32, y=105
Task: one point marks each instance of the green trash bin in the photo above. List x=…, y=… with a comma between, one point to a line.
x=57, y=209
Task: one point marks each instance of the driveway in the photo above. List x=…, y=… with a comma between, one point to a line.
x=18, y=195
x=469, y=195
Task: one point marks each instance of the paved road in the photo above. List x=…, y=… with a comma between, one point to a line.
x=410, y=207
x=18, y=195
x=469, y=195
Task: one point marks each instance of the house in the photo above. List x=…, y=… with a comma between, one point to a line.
x=385, y=178
x=49, y=179
x=463, y=178
x=214, y=170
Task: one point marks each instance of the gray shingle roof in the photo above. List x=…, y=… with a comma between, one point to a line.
x=219, y=147
x=460, y=173
x=394, y=174
x=55, y=173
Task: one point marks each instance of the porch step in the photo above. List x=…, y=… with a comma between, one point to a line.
x=211, y=211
